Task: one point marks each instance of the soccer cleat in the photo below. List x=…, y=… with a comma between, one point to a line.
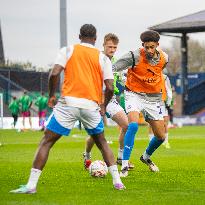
x=130, y=165
x=150, y=164
x=23, y=190
x=87, y=163
x=124, y=172
x=119, y=186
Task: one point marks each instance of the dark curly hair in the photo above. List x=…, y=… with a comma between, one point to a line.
x=150, y=36
x=88, y=30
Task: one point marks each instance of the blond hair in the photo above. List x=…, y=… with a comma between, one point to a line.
x=111, y=37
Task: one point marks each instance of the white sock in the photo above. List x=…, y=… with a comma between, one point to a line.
x=124, y=163
x=87, y=155
x=166, y=138
x=33, y=179
x=146, y=156
x=115, y=174
x=120, y=153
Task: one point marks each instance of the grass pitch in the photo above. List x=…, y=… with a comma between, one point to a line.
x=64, y=181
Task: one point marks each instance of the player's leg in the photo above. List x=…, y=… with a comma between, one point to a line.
x=45, y=145
x=129, y=138
x=153, y=113
x=87, y=154
x=109, y=159
x=30, y=120
x=23, y=121
x=166, y=141
x=166, y=122
x=121, y=119
x=59, y=124
x=150, y=132
x=154, y=144
x=41, y=157
x=117, y=114
x=133, y=106
x=42, y=117
x=15, y=117
x=94, y=126
x=40, y=160
x=39, y=118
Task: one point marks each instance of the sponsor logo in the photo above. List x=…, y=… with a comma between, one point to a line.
x=127, y=147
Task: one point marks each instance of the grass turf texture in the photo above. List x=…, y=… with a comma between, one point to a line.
x=64, y=181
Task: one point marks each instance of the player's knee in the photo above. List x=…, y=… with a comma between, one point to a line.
x=124, y=127
x=160, y=136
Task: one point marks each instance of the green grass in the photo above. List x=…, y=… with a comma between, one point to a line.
x=64, y=181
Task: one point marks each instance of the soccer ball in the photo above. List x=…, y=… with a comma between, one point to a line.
x=98, y=169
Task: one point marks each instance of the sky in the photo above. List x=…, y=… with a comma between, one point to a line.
x=31, y=28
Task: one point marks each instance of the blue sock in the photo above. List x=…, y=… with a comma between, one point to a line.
x=153, y=145
x=129, y=140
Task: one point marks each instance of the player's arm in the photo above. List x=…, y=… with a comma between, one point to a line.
x=53, y=80
x=108, y=81
x=126, y=61
x=109, y=91
x=168, y=90
x=166, y=59
x=54, y=76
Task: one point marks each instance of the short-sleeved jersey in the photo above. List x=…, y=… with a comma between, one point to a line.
x=85, y=69
x=41, y=103
x=25, y=101
x=14, y=107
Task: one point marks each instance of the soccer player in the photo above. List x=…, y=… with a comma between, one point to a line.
x=26, y=103
x=14, y=108
x=143, y=93
x=85, y=68
x=113, y=110
x=41, y=103
x=166, y=103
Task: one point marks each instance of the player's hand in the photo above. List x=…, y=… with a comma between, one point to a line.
x=102, y=109
x=52, y=101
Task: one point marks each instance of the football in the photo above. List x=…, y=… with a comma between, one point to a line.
x=98, y=168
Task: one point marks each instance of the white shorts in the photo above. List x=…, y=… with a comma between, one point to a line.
x=136, y=102
x=63, y=119
x=113, y=108
x=164, y=110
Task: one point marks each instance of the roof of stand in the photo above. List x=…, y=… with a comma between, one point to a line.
x=186, y=24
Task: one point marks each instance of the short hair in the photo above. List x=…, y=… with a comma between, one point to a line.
x=88, y=30
x=111, y=37
x=150, y=36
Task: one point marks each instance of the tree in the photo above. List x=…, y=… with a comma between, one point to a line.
x=196, y=56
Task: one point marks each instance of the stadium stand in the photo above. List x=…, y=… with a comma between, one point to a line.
x=14, y=82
